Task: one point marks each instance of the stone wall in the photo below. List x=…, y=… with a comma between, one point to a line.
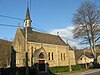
x=59, y=55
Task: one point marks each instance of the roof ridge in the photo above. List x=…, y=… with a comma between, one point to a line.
x=42, y=32
x=45, y=33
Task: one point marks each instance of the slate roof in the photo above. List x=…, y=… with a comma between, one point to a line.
x=89, y=55
x=34, y=36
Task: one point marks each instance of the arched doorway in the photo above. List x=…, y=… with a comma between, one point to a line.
x=41, y=62
x=40, y=56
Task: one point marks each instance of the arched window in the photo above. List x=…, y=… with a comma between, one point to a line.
x=48, y=55
x=64, y=56
x=52, y=55
x=41, y=55
x=61, y=56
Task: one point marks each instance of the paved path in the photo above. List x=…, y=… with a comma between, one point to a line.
x=88, y=72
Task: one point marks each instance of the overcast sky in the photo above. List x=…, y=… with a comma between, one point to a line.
x=50, y=16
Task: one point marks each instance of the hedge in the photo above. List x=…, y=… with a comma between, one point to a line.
x=60, y=69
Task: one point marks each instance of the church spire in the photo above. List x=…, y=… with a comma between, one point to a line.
x=27, y=21
x=28, y=14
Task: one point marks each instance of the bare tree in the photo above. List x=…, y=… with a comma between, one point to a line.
x=87, y=24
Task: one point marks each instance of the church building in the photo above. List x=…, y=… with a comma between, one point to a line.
x=42, y=49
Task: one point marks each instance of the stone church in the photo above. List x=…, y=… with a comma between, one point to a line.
x=43, y=49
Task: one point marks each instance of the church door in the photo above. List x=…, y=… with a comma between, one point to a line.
x=41, y=62
x=41, y=65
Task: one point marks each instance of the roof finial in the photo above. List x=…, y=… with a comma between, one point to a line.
x=18, y=25
x=58, y=33
x=27, y=4
x=67, y=41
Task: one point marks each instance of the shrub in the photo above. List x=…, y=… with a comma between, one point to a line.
x=76, y=67
x=59, y=69
x=65, y=68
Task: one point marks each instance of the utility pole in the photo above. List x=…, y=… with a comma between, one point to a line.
x=70, y=67
x=26, y=49
x=85, y=59
x=69, y=60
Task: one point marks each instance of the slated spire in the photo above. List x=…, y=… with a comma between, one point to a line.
x=27, y=21
x=28, y=14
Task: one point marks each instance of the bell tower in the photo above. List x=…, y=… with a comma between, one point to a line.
x=27, y=21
